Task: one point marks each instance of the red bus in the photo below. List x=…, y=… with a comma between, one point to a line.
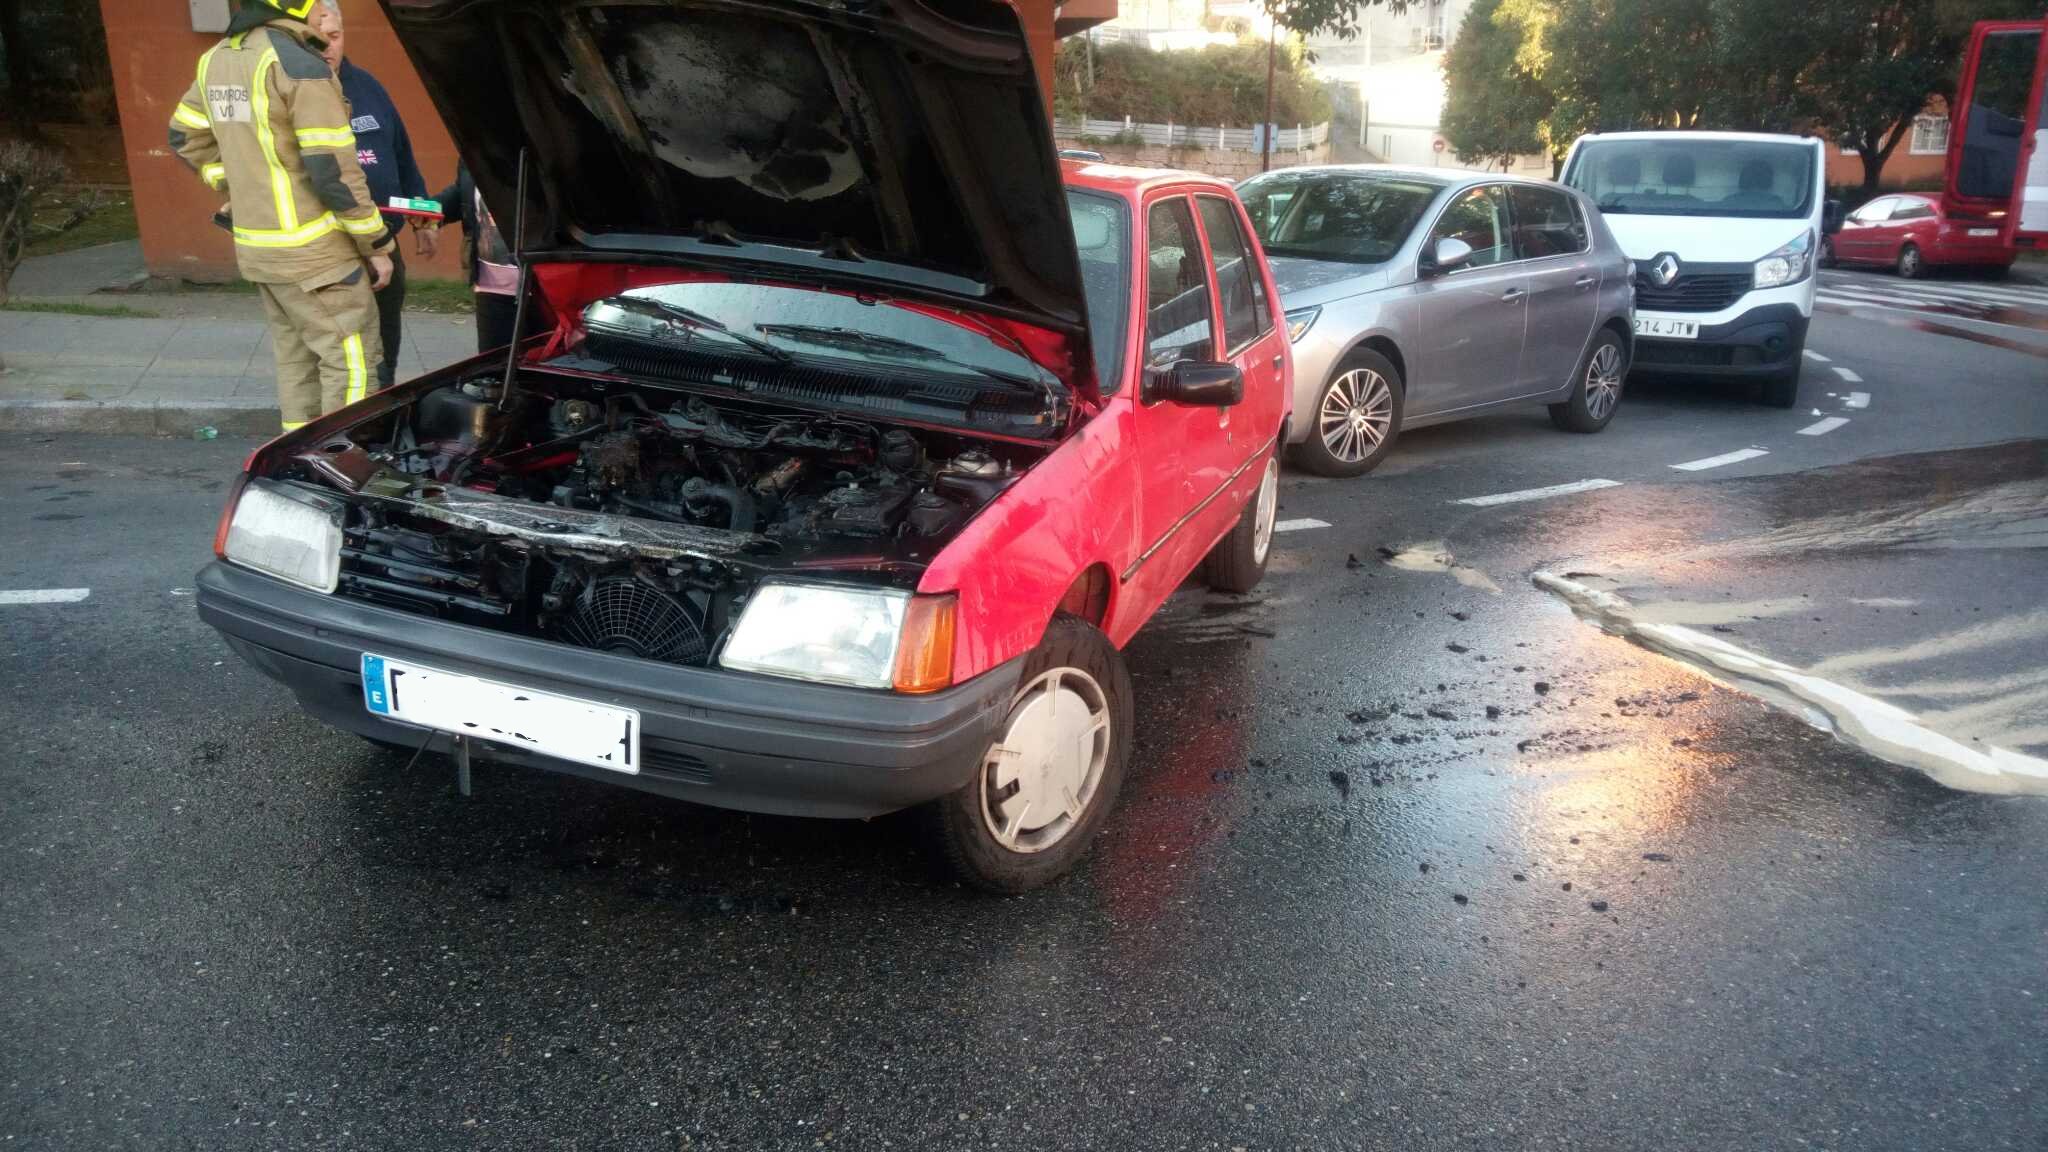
x=1997, y=168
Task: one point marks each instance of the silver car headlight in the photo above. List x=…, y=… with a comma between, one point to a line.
x=1298, y=322
x=291, y=533
x=819, y=632
x=1788, y=265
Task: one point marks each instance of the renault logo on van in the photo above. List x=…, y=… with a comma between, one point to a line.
x=1663, y=270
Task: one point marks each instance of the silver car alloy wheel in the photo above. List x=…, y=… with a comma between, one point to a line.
x=1603, y=381
x=1265, y=511
x=1042, y=774
x=1357, y=413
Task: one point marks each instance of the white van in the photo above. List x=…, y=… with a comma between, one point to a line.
x=1723, y=228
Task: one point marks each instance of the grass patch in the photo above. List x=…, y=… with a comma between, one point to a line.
x=452, y=296
x=68, y=308
x=115, y=220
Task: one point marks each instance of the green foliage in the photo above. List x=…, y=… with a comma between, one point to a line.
x=1498, y=113
x=1223, y=85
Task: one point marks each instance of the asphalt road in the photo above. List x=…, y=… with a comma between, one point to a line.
x=1410, y=857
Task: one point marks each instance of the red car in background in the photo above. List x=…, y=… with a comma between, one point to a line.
x=1913, y=234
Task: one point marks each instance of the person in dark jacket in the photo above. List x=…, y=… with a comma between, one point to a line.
x=385, y=153
x=492, y=272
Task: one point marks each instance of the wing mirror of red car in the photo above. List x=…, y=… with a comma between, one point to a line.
x=1195, y=384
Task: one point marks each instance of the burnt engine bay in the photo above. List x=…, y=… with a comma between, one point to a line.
x=634, y=520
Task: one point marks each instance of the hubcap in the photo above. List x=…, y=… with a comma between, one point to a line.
x=1264, y=511
x=1357, y=413
x=1909, y=260
x=1039, y=779
x=1603, y=381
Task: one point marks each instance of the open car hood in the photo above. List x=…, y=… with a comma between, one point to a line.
x=900, y=146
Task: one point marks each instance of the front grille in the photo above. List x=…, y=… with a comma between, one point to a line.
x=1703, y=292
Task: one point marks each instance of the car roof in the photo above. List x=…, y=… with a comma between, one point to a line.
x=1682, y=134
x=1440, y=177
x=1128, y=181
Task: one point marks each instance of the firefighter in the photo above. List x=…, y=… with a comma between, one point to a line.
x=265, y=122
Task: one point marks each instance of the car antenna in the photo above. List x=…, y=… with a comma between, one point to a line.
x=519, y=307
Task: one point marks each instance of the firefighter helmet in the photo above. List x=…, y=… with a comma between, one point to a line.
x=296, y=9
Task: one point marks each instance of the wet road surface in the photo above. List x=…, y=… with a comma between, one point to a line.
x=1409, y=857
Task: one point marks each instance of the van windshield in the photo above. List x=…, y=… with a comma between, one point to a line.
x=1687, y=176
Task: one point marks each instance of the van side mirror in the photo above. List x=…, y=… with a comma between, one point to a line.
x=1195, y=384
x=1449, y=255
x=1831, y=217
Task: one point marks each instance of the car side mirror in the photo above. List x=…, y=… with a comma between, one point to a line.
x=1831, y=217
x=1449, y=255
x=1195, y=384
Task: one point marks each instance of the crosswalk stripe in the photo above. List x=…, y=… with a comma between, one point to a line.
x=1967, y=293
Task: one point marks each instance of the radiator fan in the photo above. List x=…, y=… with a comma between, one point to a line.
x=622, y=614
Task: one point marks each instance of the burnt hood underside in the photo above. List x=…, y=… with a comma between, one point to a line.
x=893, y=143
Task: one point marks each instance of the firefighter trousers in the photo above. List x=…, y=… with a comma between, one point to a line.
x=325, y=337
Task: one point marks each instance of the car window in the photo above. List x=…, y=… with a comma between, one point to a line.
x=1913, y=210
x=1545, y=224
x=1479, y=217
x=1358, y=217
x=1680, y=175
x=1102, y=239
x=1178, y=325
x=1876, y=211
x=1238, y=283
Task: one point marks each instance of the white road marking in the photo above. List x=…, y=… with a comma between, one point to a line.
x=1856, y=400
x=1816, y=357
x=1724, y=458
x=1537, y=493
x=44, y=596
x=1823, y=427
x=1878, y=727
x=1301, y=525
x=1848, y=375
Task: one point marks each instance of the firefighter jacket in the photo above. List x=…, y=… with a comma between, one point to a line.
x=265, y=122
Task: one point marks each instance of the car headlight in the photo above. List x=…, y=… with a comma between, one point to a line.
x=291, y=533
x=862, y=637
x=1788, y=265
x=1298, y=322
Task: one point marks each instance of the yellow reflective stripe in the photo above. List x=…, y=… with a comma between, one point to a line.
x=213, y=174
x=201, y=78
x=326, y=138
x=357, y=378
x=285, y=238
x=295, y=425
x=280, y=182
x=363, y=226
x=296, y=13
x=190, y=117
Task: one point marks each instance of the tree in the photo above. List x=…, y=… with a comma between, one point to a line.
x=1495, y=107
x=1307, y=18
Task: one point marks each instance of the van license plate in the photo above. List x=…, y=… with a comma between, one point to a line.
x=1658, y=328
x=566, y=728
x=1983, y=231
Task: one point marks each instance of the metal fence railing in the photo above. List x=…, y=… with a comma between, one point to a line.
x=1214, y=136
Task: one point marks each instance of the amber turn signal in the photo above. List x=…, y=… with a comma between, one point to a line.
x=924, y=654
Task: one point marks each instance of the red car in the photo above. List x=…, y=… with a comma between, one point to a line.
x=1912, y=234
x=849, y=438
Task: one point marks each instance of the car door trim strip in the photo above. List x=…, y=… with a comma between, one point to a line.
x=1197, y=509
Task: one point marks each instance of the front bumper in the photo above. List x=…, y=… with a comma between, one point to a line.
x=1762, y=342
x=727, y=739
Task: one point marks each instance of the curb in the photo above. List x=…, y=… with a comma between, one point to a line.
x=176, y=418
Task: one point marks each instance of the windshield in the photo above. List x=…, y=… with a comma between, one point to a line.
x=1359, y=217
x=800, y=321
x=1688, y=176
x=1102, y=238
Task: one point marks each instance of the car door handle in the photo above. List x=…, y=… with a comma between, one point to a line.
x=1512, y=296
x=1585, y=282
x=1280, y=360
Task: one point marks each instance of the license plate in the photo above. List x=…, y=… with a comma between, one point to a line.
x=1662, y=329
x=1983, y=231
x=600, y=735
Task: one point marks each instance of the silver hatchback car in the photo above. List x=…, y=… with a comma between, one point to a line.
x=1417, y=296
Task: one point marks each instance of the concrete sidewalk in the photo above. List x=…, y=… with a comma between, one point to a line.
x=166, y=376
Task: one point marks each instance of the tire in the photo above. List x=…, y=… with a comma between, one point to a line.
x=1911, y=266
x=1364, y=393
x=1073, y=667
x=1238, y=561
x=1827, y=253
x=1597, y=393
x=1782, y=391
x=1995, y=271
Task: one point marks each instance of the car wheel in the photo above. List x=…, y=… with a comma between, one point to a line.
x=1052, y=774
x=1238, y=562
x=1827, y=252
x=1598, y=391
x=1911, y=266
x=1996, y=271
x=1782, y=390
x=1356, y=418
